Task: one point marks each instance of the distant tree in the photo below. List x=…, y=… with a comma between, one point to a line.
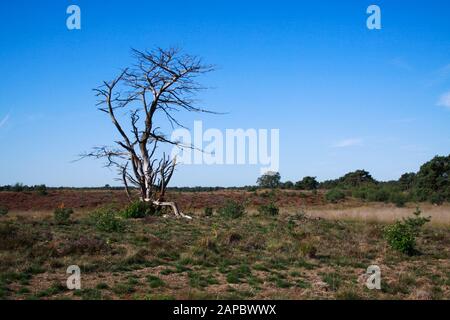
x=432, y=180
x=288, y=185
x=329, y=184
x=18, y=187
x=406, y=181
x=307, y=183
x=269, y=180
x=41, y=189
x=356, y=179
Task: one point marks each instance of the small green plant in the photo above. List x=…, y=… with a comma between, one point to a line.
x=102, y=286
x=107, y=219
x=139, y=209
x=88, y=294
x=123, y=288
x=3, y=211
x=238, y=274
x=232, y=209
x=401, y=235
x=333, y=280
x=270, y=209
x=155, y=282
x=208, y=211
x=62, y=214
x=308, y=249
x=335, y=195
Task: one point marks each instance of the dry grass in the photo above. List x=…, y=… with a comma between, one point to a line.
x=380, y=212
x=292, y=256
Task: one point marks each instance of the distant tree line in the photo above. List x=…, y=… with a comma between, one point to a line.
x=19, y=187
x=431, y=184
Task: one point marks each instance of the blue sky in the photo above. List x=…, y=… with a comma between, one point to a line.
x=344, y=97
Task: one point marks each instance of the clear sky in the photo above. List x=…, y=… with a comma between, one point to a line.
x=344, y=97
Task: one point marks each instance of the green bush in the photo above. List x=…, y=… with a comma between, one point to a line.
x=288, y=185
x=107, y=219
x=208, y=211
x=3, y=211
x=140, y=209
x=41, y=189
x=401, y=235
x=335, y=195
x=360, y=193
x=62, y=215
x=232, y=209
x=270, y=209
x=378, y=195
x=398, y=198
x=307, y=183
x=308, y=249
x=437, y=198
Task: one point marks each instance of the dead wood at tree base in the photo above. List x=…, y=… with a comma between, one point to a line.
x=174, y=207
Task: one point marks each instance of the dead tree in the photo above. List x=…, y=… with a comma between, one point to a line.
x=161, y=83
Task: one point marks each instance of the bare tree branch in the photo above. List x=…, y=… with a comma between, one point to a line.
x=160, y=82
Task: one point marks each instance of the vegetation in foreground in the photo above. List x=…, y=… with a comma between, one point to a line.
x=222, y=255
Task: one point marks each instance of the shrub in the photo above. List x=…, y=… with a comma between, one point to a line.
x=270, y=209
x=14, y=238
x=232, y=209
x=208, y=211
x=107, y=219
x=360, y=193
x=41, y=189
x=139, y=209
x=155, y=282
x=378, y=195
x=399, y=199
x=62, y=215
x=3, y=211
x=307, y=183
x=437, y=198
x=268, y=194
x=335, y=195
x=401, y=235
x=288, y=185
x=84, y=245
x=308, y=249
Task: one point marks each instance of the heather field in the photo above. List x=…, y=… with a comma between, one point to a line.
x=311, y=249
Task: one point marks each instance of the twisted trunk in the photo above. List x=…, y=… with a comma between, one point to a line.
x=173, y=205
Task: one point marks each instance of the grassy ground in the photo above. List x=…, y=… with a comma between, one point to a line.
x=291, y=256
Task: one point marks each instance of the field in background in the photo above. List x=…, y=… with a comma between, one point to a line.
x=289, y=201
x=311, y=250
